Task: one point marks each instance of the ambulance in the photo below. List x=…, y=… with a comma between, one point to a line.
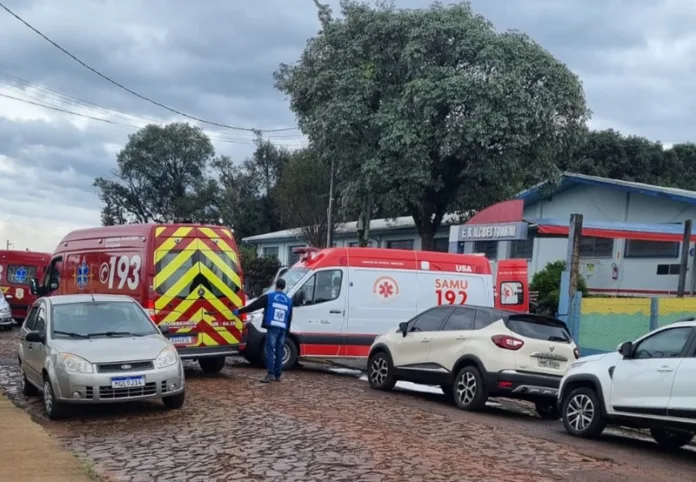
x=17, y=268
x=345, y=297
x=187, y=276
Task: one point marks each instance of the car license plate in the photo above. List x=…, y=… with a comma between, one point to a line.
x=181, y=340
x=127, y=382
x=546, y=363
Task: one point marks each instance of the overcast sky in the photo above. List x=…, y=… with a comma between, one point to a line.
x=214, y=59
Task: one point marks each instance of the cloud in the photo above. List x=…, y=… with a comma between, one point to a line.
x=215, y=59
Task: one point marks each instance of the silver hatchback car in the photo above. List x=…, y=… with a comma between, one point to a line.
x=96, y=349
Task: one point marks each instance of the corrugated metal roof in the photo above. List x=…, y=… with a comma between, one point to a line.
x=387, y=224
x=571, y=179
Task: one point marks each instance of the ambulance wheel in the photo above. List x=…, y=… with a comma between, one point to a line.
x=212, y=364
x=290, y=354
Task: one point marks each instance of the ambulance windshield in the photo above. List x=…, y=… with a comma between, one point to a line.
x=291, y=277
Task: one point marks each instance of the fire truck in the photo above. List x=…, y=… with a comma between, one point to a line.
x=17, y=269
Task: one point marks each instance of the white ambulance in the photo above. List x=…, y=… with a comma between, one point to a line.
x=345, y=297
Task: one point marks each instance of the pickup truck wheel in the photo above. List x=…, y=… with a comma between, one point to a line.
x=469, y=391
x=174, y=402
x=582, y=413
x=380, y=372
x=671, y=439
x=547, y=410
x=212, y=364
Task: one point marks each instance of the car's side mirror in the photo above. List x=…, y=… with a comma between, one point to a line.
x=164, y=329
x=34, y=337
x=298, y=298
x=403, y=326
x=626, y=349
x=34, y=286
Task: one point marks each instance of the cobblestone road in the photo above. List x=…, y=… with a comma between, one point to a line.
x=312, y=426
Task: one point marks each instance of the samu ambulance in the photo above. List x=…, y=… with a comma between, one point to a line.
x=345, y=297
x=187, y=276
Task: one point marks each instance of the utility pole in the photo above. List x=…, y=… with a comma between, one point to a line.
x=684, y=261
x=329, y=213
x=8, y=245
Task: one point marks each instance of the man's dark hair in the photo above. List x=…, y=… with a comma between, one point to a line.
x=280, y=284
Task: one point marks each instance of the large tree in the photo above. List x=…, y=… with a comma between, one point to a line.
x=303, y=196
x=432, y=110
x=161, y=176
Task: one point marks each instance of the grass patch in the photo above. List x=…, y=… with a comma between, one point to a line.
x=89, y=470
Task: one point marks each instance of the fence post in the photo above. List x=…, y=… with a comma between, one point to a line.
x=575, y=318
x=654, y=311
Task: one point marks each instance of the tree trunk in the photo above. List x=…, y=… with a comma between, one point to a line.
x=427, y=237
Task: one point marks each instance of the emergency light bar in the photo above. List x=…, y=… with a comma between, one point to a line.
x=306, y=252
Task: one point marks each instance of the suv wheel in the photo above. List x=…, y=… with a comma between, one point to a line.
x=582, y=413
x=380, y=372
x=468, y=390
x=547, y=410
x=671, y=439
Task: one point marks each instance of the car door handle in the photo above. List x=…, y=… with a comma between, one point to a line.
x=665, y=370
x=335, y=312
x=425, y=340
x=462, y=337
x=31, y=347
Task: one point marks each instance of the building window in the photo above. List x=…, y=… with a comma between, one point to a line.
x=400, y=244
x=488, y=248
x=522, y=249
x=441, y=245
x=271, y=251
x=596, y=247
x=651, y=249
x=292, y=256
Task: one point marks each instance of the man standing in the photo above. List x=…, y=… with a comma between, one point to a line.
x=277, y=317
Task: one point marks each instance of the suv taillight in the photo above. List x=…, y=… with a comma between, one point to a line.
x=576, y=353
x=507, y=342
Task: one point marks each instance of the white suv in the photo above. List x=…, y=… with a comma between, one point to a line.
x=648, y=383
x=476, y=352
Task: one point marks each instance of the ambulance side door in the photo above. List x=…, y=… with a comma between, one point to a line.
x=322, y=312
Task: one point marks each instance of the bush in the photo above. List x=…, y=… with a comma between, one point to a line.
x=548, y=283
x=259, y=271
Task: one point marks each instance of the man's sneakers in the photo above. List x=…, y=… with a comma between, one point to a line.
x=270, y=378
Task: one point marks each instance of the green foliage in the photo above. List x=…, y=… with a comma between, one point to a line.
x=259, y=271
x=548, y=283
x=431, y=110
x=160, y=177
x=303, y=196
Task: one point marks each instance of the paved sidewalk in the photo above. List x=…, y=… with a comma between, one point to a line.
x=29, y=454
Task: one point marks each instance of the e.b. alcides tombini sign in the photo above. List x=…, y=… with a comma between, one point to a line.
x=493, y=232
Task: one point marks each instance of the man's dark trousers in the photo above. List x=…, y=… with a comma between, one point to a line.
x=275, y=341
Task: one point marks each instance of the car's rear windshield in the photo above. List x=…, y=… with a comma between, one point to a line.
x=539, y=328
x=100, y=318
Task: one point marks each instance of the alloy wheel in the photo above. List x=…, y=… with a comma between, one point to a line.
x=286, y=354
x=580, y=412
x=379, y=370
x=466, y=388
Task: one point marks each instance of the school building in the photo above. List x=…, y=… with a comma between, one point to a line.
x=631, y=233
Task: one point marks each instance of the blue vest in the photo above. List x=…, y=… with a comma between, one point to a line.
x=277, y=310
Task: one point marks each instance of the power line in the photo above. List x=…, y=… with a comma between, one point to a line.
x=101, y=119
x=73, y=101
x=140, y=96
